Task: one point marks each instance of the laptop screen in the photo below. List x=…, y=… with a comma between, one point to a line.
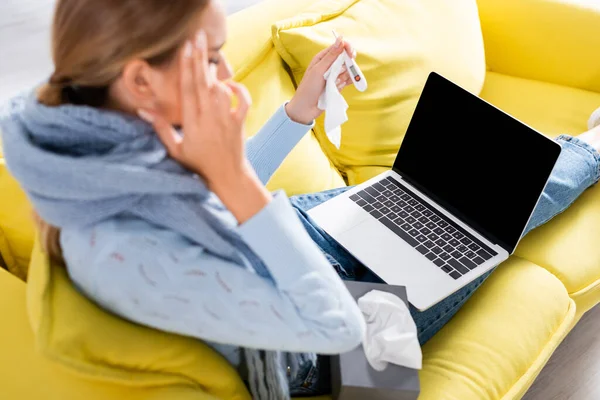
x=485, y=167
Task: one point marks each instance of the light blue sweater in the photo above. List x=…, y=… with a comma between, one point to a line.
x=158, y=278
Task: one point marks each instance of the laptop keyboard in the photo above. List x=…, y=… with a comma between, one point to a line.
x=441, y=240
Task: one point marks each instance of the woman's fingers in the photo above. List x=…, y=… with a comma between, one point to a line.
x=331, y=55
x=202, y=74
x=165, y=131
x=244, y=100
x=350, y=50
x=189, y=97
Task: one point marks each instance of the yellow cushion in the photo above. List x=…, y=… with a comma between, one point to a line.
x=25, y=374
x=398, y=43
x=258, y=66
x=499, y=341
x=16, y=224
x=550, y=108
x=75, y=333
x=568, y=245
x=547, y=40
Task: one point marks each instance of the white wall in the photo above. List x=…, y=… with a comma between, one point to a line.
x=25, y=42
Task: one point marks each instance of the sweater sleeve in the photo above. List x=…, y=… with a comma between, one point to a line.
x=156, y=278
x=270, y=146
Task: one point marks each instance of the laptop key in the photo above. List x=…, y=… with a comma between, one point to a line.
x=366, y=196
x=432, y=236
x=458, y=266
x=378, y=186
x=436, y=250
x=456, y=255
x=444, y=256
x=427, y=213
x=409, y=209
x=474, y=247
x=455, y=274
x=384, y=210
x=355, y=197
x=420, y=207
x=376, y=214
x=387, y=193
x=381, y=198
x=394, y=198
x=457, y=235
x=412, y=202
x=468, y=263
x=423, y=219
x=440, y=242
x=396, y=209
x=394, y=228
x=446, y=237
x=398, y=221
x=478, y=260
x=441, y=223
x=413, y=232
x=449, y=249
x=388, y=203
x=410, y=220
x=454, y=242
x=361, y=202
x=421, y=238
x=405, y=197
x=484, y=254
x=431, y=225
x=425, y=231
x=446, y=268
x=403, y=214
x=470, y=255
x=372, y=191
x=406, y=227
x=438, y=231
x=429, y=244
x=435, y=218
x=418, y=225
x=466, y=241
x=431, y=257
x=422, y=249
x=368, y=207
x=462, y=248
x=402, y=204
x=415, y=214
x=438, y=262
x=450, y=229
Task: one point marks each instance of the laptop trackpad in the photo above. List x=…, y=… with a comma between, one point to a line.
x=390, y=257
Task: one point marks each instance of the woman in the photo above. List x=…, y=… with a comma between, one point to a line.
x=178, y=232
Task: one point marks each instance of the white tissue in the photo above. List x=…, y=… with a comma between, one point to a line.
x=333, y=103
x=391, y=332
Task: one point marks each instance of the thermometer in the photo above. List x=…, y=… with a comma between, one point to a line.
x=357, y=76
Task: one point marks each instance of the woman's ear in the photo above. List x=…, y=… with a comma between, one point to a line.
x=137, y=82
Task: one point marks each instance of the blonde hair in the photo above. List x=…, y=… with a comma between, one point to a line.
x=91, y=43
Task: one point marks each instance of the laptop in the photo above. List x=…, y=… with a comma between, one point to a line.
x=462, y=189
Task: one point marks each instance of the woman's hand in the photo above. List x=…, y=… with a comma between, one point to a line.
x=213, y=140
x=303, y=106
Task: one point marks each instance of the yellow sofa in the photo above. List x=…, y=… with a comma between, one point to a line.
x=543, y=66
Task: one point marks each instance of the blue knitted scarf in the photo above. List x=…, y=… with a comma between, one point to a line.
x=81, y=165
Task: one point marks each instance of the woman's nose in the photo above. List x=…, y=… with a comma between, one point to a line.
x=224, y=71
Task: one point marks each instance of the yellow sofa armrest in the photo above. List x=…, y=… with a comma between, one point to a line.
x=556, y=41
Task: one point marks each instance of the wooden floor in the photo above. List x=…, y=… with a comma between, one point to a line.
x=573, y=373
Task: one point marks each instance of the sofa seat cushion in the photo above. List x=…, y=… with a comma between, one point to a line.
x=499, y=341
x=423, y=35
x=568, y=245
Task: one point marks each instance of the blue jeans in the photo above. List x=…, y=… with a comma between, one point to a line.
x=577, y=168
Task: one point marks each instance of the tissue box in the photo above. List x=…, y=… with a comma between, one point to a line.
x=353, y=378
